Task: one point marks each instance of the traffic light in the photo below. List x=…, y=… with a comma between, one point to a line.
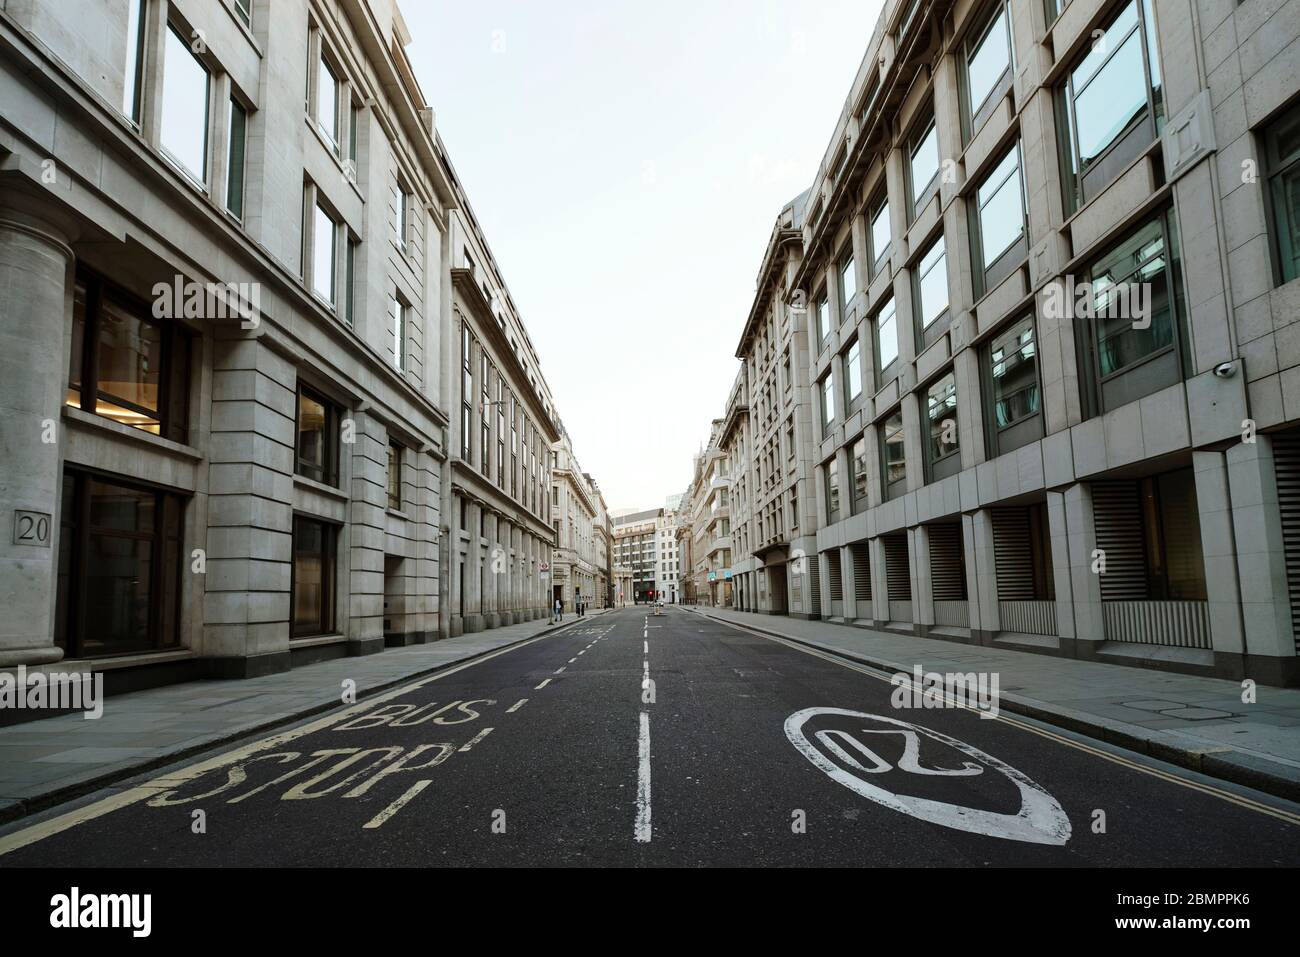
x=650, y=594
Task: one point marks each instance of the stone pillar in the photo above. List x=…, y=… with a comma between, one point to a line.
x=35, y=275
x=981, y=575
x=1260, y=558
x=472, y=613
x=246, y=605
x=922, y=583
x=367, y=518
x=848, y=583
x=880, y=580
x=1079, y=540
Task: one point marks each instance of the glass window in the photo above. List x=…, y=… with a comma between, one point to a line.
x=245, y=10
x=932, y=284
x=134, y=59
x=858, y=460
x=1116, y=82
x=880, y=231
x=828, y=401
x=314, y=575
x=853, y=371
x=323, y=255
x=848, y=283
x=402, y=224
x=139, y=366
x=886, y=335
x=1128, y=280
x=925, y=160
x=397, y=327
x=833, y=489
x=185, y=108
x=1283, y=149
x=395, y=476
x=987, y=59
x=235, y=160
x=353, y=115
x=317, y=437
x=1175, y=562
x=350, y=283
x=1001, y=208
x=941, y=409
x=893, y=453
x=823, y=318
x=119, y=568
x=1013, y=372
x=327, y=102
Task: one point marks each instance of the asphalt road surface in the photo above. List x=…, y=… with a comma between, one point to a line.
x=662, y=740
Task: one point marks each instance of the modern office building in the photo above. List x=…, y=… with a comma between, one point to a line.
x=637, y=537
x=1048, y=278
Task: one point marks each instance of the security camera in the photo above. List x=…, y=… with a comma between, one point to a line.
x=1225, y=370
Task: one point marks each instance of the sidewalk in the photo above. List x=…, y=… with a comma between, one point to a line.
x=1198, y=723
x=46, y=762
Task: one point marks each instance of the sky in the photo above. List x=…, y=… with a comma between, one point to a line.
x=627, y=162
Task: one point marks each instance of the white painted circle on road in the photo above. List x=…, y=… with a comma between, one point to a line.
x=1040, y=820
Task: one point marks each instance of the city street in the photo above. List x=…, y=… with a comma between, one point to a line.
x=630, y=739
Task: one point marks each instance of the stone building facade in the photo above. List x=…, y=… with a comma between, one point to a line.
x=1048, y=272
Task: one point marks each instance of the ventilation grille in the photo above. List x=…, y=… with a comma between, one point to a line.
x=861, y=575
x=896, y=572
x=1286, y=463
x=1117, y=517
x=947, y=563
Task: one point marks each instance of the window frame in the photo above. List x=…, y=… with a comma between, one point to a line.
x=329, y=579
x=920, y=194
x=329, y=469
x=988, y=275
x=396, y=459
x=927, y=333
x=880, y=204
x=1286, y=268
x=975, y=115
x=890, y=370
x=898, y=487
x=199, y=178
x=1000, y=439
x=939, y=467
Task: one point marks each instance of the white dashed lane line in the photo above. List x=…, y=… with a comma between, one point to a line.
x=516, y=706
x=475, y=740
x=542, y=685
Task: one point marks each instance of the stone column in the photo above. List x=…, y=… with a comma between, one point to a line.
x=35, y=274
x=922, y=583
x=1076, y=540
x=367, y=513
x=981, y=575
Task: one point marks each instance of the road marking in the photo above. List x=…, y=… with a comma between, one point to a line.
x=1241, y=801
x=173, y=779
x=397, y=805
x=572, y=660
x=516, y=706
x=646, y=649
x=583, y=651
x=542, y=685
x=560, y=669
x=476, y=739
x=642, y=827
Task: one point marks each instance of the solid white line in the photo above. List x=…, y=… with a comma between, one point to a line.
x=642, y=827
x=542, y=685
x=476, y=739
x=397, y=805
x=516, y=706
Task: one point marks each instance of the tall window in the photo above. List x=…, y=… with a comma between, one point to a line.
x=120, y=561
x=314, y=577
x=395, y=451
x=941, y=440
x=466, y=393
x=485, y=427
x=1012, y=374
x=880, y=233
x=988, y=66
x=924, y=166
x=350, y=282
x=848, y=282
x=327, y=102
x=886, y=337
x=324, y=254
x=397, y=329
x=131, y=79
x=893, y=455
x=1282, y=145
x=853, y=373
x=184, y=135
x=828, y=402
x=858, y=462
x=833, y=490
x=235, y=160
x=402, y=224
x=1134, y=314
x=318, y=437
x=1113, y=103
x=124, y=364
x=1000, y=221
x=931, y=285
x=823, y=317
x=1171, y=529
x=244, y=9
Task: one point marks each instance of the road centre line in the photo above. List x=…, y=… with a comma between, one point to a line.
x=397, y=805
x=476, y=739
x=516, y=706
x=641, y=828
x=542, y=685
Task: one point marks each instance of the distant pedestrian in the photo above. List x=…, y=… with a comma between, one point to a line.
x=559, y=610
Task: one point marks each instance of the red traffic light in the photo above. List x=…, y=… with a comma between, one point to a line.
x=650, y=594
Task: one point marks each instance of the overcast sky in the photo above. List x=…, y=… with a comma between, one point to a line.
x=627, y=161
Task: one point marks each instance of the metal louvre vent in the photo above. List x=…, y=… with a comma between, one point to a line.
x=861, y=573
x=896, y=569
x=1286, y=465
x=1012, y=554
x=834, y=575
x=947, y=563
x=1117, y=518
